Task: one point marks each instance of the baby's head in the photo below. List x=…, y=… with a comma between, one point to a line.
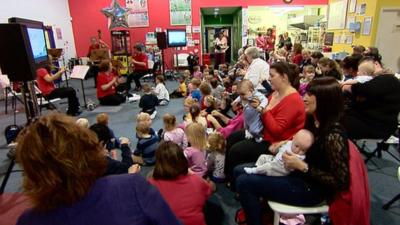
x=142, y=129
x=214, y=83
x=216, y=142
x=196, y=68
x=208, y=78
x=366, y=68
x=196, y=135
x=215, y=73
x=160, y=79
x=205, y=89
x=302, y=141
x=195, y=83
x=186, y=74
x=102, y=118
x=83, y=122
x=144, y=119
x=245, y=89
x=146, y=88
x=187, y=103
x=210, y=101
x=169, y=122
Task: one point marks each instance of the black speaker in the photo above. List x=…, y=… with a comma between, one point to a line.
x=161, y=40
x=16, y=58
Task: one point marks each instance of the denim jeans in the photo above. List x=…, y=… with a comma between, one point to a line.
x=292, y=190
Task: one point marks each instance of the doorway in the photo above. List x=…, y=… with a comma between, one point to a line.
x=226, y=20
x=387, y=36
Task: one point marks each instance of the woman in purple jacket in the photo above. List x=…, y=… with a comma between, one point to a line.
x=63, y=164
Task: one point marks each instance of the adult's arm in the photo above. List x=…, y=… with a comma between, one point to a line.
x=50, y=78
x=224, y=118
x=152, y=204
x=109, y=84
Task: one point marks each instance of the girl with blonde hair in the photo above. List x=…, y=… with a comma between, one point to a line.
x=196, y=154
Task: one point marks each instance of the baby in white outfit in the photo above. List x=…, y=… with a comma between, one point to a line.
x=273, y=165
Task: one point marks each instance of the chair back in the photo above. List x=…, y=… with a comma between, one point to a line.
x=352, y=207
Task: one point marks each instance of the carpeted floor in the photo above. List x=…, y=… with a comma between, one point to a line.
x=382, y=173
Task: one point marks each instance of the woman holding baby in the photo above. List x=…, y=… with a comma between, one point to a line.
x=324, y=173
x=282, y=118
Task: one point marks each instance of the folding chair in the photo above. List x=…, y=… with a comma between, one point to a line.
x=43, y=101
x=397, y=197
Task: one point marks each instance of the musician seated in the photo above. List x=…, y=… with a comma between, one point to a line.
x=140, y=66
x=94, y=61
x=45, y=80
x=107, y=85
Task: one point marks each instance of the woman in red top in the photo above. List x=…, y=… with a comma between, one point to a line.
x=107, y=82
x=282, y=118
x=184, y=192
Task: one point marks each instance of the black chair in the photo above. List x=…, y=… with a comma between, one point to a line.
x=397, y=197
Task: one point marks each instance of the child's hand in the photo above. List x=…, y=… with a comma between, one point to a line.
x=135, y=168
x=250, y=170
x=255, y=102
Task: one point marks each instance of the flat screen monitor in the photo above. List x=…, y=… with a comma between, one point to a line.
x=176, y=38
x=38, y=44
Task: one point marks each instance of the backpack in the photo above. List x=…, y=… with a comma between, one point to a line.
x=11, y=132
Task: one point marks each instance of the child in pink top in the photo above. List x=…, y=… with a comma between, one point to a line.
x=173, y=133
x=197, y=73
x=184, y=192
x=196, y=154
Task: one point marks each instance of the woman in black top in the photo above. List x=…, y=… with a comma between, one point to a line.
x=375, y=105
x=325, y=170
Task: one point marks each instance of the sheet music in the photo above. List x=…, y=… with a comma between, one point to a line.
x=79, y=72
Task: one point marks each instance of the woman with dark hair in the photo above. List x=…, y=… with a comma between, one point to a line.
x=184, y=192
x=107, y=84
x=62, y=177
x=375, y=104
x=329, y=68
x=282, y=118
x=325, y=171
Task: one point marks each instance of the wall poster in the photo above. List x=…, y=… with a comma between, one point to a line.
x=337, y=15
x=138, y=14
x=180, y=12
x=367, y=26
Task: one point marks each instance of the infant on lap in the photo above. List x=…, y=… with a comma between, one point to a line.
x=273, y=165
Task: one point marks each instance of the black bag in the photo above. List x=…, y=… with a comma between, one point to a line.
x=11, y=132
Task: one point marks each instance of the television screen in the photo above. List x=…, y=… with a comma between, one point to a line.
x=176, y=38
x=38, y=44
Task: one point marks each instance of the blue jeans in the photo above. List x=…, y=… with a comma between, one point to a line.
x=292, y=190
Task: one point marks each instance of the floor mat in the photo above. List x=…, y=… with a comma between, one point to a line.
x=107, y=109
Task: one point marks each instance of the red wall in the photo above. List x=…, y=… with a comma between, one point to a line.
x=87, y=19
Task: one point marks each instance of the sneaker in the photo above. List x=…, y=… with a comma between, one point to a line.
x=153, y=115
x=392, y=140
x=134, y=98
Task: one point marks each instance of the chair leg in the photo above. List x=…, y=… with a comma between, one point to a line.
x=276, y=218
x=6, y=176
x=387, y=205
